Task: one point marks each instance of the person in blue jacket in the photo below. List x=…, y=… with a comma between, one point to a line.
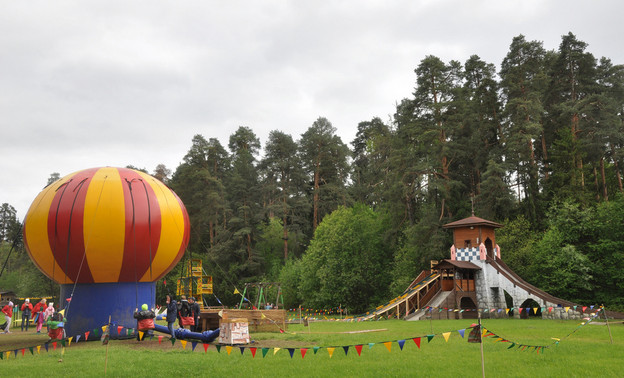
x=172, y=314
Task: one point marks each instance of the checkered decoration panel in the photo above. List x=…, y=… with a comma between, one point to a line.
x=467, y=254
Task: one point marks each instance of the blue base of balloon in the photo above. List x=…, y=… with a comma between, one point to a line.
x=92, y=304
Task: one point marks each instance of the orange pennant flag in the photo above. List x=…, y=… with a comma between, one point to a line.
x=229, y=349
x=388, y=345
x=331, y=351
x=183, y=342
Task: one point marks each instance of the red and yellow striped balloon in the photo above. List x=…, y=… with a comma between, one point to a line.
x=106, y=225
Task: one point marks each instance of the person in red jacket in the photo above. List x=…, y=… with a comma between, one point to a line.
x=27, y=309
x=8, y=315
x=37, y=313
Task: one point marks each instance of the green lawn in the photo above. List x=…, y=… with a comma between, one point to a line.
x=586, y=352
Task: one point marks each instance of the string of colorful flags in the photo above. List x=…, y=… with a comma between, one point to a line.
x=477, y=333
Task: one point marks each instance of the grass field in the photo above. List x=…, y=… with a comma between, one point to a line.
x=586, y=352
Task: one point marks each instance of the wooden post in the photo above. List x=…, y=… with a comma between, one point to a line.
x=300, y=315
x=481, y=345
x=106, y=359
x=607, y=320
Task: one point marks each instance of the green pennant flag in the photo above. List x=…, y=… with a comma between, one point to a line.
x=172, y=340
x=512, y=345
x=265, y=350
x=130, y=331
x=430, y=337
x=1, y=355
x=218, y=348
x=63, y=342
x=316, y=349
x=31, y=350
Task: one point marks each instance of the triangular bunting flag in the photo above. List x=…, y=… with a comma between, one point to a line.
x=46, y=346
x=69, y=340
x=520, y=310
x=87, y=335
x=77, y=338
x=253, y=352
x=23, y=351
x=506, y=311
x=8, y=354
x=193, y=344
x=141, y=335
x=218, y=348
x=417, y=341
x=275, y=350
x=228, y=348
x=32, y=350
x=346, y=349
x=461, y=332
x=512, y=345
x=95, y=333
x=446, y=336
x=1, y=356
x=567, y=308
x=236, y=291
x=584, y=308
x=535, y=310
x=358, y=349
x=262, y=316
x=401, y=343
x=315, y=349
x=303, y=352
x=242, y=349
x=63, y=342
x=172, y=340
x=264, y=352
x=15, y=351
x=430, y=337
x=53, y=345
x=183, y=342
x=370, y=345
x=160, y=339
x=330, y=351
x=119, y=328
x=388, y=345
x=205, y=347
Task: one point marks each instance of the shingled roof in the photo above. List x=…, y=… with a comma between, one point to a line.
x=472, y=221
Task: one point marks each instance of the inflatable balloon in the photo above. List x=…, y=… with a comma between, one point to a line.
x=106, y=235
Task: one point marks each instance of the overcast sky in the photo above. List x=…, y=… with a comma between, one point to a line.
x=114, y=83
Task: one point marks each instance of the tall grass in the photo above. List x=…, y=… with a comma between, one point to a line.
x=586, y=352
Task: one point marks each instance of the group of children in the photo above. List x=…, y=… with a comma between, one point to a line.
x=39, y=314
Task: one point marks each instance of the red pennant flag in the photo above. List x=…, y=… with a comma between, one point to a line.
x=119, y=328
x=160, y=339
x=253, y=352
x=584, y=308
x=358, y=348
x=54, y=345
x=205, y=347
x=417, y=341
x=303, y=352
x=23, y=351
x=165, y=282
x=87, y=335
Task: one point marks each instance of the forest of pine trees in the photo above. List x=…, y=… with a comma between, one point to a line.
x=537, y=146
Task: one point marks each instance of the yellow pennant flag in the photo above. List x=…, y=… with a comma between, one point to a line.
x=262, y=316
x=8, y=354
x=331, y=351
x=229, y=349
x=103, y=329
x=484, y=332
x=535, y=310
x=236, y=291
x=498, y=339
x=69, y=341
x=62, y=312
x=275, y=350
x=388, y=345
x=38, y=349
x=183, y=342
x=506, y=311
x=220, y=313
x=446, y=336
x=141, y=335
x=567, y=308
